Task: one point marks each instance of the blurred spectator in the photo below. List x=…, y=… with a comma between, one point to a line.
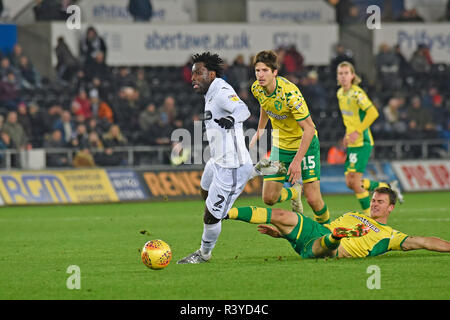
x=16, y=54
x=169, y=109
x=100, y=109
x=341, y=54
x=47, y=10
x=440, y=113
x=342, y=9
x=38, y=127
x=94, y=141
x=419, y=118
x=67, y=65
x=1, y=8
x=5, y=143
x=314, y=91
x=404, y=64
x=114, y=138
x=447, y=12
x=186, y=72
x=55, y=141
x=337, y=154
x=238, y=73
x=66, y=125
x=100, y=126
x=421, y=60
x=293, y=60
x=80, y=139
x=126, y=108
x=142, y=85
x=83, y=159
x=81, y=105
x=123, y=78
x=6, y=67
x=15, y=130
x=410, y=15
x=388, y=68
x=354, y=16
x=393, y=121
x=148, y=118
x=24, y=119
x=31, y=79
x=160, y=133
x=50, y=117
x=9, y=92
x=90, y=45
x=97, y=68
x=141, y=10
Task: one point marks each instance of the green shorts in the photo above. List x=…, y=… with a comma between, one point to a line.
x=357, y=158
x=310, y=163
x=304, y=234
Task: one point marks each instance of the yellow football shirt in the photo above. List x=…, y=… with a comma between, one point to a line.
x=285, y=106
x=380, y=239
x=353, y=105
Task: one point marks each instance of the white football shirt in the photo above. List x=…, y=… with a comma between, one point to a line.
x=227, y=147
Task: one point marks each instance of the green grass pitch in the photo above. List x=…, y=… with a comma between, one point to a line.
x=39, y=243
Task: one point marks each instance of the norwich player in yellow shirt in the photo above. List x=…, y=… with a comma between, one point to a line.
x=352, y=235
x=358, y=114
x=294, y=138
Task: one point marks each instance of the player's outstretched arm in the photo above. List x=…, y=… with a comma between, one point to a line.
x=428, y=243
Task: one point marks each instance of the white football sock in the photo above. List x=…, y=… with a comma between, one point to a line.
x=210, y=235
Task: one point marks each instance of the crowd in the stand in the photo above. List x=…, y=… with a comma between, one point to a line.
x=93, y=107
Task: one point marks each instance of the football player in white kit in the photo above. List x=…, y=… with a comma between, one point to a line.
x=230, y=166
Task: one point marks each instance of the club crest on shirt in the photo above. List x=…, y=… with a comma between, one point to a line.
x=233, y=97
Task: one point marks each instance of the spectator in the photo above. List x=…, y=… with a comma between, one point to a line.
x=186, y=72
x=48, y=10
x=141, y=10
x=55, y=141
x=38, y=127
x=15, y=130
x=314, y=91
x=83, y=159
x=148, y=118
x=293, y=60
x=419, y=118
x=16, y=54
x=97, y=68
x=342, y=9
x=440, y=113
x=31, y=79
x=100, y=109
x=238, y=74
x=5, y=143
x=81, y=137
x=50, y=117
x=160, y=133
x=67, y=65
x=67, y=127
x=142, y=85
x=392, y=116
x=337, y=154
x=81, y=105
x=90, y=45
x=24, y=119
x=126, y=108
x=421, y=60
x=404, y=64
x=410, y=15
x=124, y=78
x=341, y=54
x=169, y=109
x=100, y=126
x=9, y=92
x=114, y=138
x=388, y=67
x=6, y=68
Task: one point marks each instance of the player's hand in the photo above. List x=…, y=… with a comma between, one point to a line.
x=294, y=171
x=226, y=122
x=269, y=230
x=352, y=136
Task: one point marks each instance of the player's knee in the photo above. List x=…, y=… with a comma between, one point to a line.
x=208, y=218
x=270, y=199
x=281, y=216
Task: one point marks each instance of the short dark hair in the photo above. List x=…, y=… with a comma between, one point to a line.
x=268, y=57
x=391, y=193
x=212, y=62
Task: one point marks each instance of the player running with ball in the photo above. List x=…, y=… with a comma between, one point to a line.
x=230, y=166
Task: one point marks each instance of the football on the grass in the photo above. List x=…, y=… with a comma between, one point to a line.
x=156, y=254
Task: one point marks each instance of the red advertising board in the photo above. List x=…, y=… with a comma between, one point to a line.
x=424, y=175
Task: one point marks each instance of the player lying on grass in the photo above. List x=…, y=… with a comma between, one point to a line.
x=351, y=235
